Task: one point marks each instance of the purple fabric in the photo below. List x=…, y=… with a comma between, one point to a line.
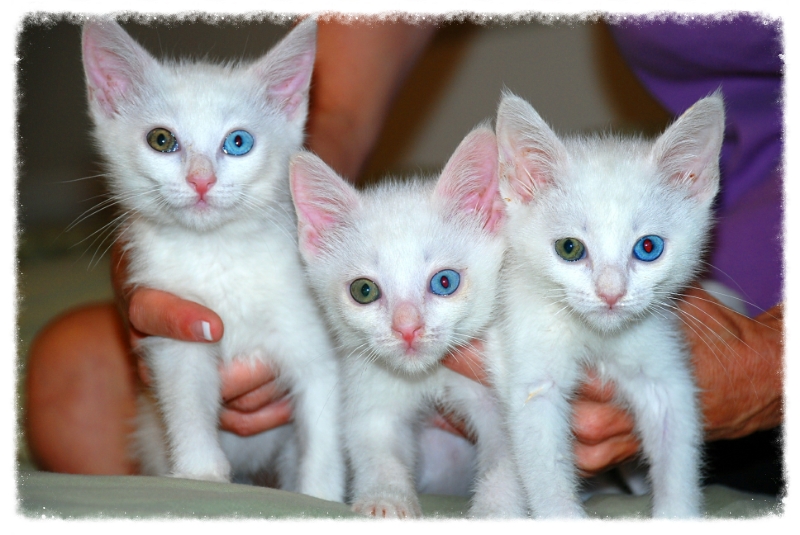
x=680, y=62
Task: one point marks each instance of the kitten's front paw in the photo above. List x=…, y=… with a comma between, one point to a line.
x=219, y=471
x=389, y=506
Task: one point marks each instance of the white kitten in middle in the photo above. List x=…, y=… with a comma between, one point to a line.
x=405, y=273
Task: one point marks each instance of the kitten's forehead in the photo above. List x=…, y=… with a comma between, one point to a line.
x=201, y=97
x=611, y=194
x=403, y=235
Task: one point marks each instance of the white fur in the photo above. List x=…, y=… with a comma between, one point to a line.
x=607, y=192
x=399, y=235
x=235, y=254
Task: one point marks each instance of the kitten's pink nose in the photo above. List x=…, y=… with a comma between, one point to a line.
x=611, y=298
x=407, y=322
x=201, y=183
x=611, y=284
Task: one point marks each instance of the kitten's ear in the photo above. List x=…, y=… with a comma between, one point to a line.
x=286, y=71
x=322, y=200
x=687, y=153
x=114, y=63
x=470, y=179
x=529, y=151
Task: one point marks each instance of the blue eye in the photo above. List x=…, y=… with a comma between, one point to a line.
x=445, y=282
x=237, y=143
x=648, y=248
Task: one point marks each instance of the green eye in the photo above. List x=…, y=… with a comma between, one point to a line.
x=162, y=140
x=570, y=249
x=364, y=291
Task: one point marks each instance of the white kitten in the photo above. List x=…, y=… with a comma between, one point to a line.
x=604, y=233
x=405, y=273
x=198, y=159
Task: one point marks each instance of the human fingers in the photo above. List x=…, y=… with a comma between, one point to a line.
x=596, y=390
x=156, y=313
x=452, y=423
x=594, y=459
x=258, y=397
x=468, y=361
x=240, y=377
x=604, y=431
x=250, y=423
x=595, y=422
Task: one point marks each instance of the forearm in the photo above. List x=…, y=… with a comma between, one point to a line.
x=358, y=71
x=739, y=366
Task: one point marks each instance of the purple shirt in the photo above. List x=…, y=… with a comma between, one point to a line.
x=680, y=63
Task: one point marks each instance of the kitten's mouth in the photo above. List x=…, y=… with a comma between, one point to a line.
x=410, y=350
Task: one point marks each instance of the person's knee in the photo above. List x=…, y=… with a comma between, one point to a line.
x=78, y=387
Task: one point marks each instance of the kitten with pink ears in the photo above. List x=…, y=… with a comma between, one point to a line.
x=604, y=233
x=406, y=272
x=197, y=156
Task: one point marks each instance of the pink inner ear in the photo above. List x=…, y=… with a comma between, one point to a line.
x=470, y=178
x=321, y=198
x=529, y=172
x=291, y=91
x=313, y=219
x=301, y=68
x=108, y=81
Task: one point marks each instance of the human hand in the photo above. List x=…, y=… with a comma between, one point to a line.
x=604, y=431
x=738, y=365
x=149, y=312
x=359, y=69
x=252, y=401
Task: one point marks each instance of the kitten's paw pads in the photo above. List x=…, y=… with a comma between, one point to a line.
x=388, y=507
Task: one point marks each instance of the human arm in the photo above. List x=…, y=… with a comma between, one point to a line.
x=358, y=71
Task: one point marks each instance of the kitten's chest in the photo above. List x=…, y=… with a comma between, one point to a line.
x=246, y=278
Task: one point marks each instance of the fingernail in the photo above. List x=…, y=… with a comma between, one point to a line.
x=202, y=330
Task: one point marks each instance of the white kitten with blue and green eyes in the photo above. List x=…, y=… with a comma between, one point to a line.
x=406, y=272
x=198, y=158
x=604, y=233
